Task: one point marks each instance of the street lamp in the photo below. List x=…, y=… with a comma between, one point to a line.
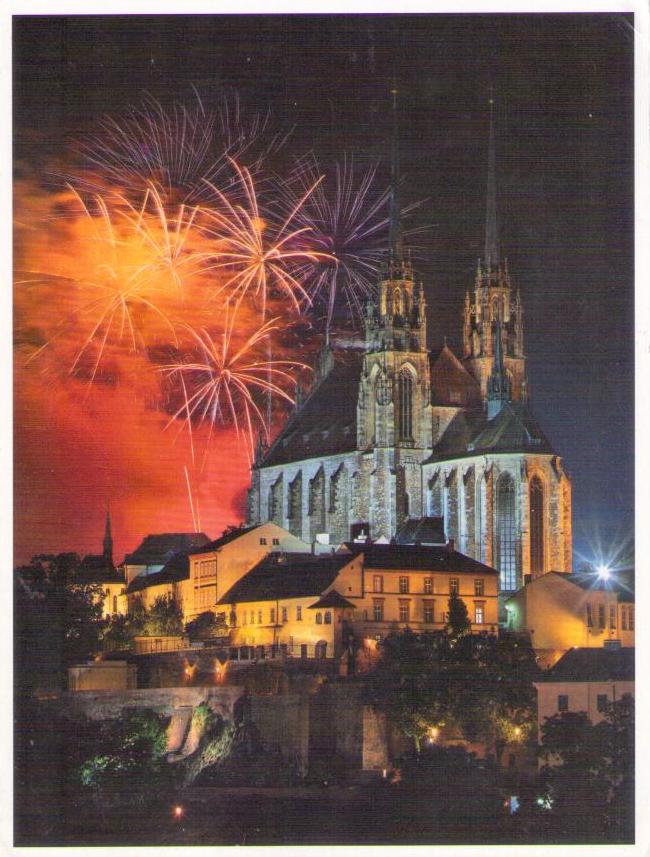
x=603, y=571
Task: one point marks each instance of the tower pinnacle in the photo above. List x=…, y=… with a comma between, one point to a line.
x=108, y=539
x=395, y=241
x=498, y=385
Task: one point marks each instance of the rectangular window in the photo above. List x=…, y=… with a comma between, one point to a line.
x=630, y=618
x=454, y=586
x=262, y=540
x=299, y=613
x=590, y=619
x=404, y=610
x=252, y=617
x=601, y=615
x=403, y=585
x=601, y=702
x=479, y=617
x=378, y=610
x=428, y=611
x=284, y=614
x=479, y=586
x=378, y=583
x=428, y=585
x=624, y=618
x=563, y=702
x=276, y=541
x=272, y=615
x=612, y=617
x=259, y=617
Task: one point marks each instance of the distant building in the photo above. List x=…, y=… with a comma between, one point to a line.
x=99, y=569
x=585, y=679
x=155, y=551
x=563, y=611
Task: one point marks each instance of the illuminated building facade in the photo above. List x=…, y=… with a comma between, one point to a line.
x=394, y=430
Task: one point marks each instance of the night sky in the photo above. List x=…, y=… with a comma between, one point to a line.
x=563, y=87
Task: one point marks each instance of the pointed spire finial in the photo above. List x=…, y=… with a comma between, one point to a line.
x=498, y=391
x=491, y=235
x=395, y=242
x=108, y=538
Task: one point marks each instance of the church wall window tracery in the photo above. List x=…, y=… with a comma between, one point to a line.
x=405, y=395
x=536, y=493
x=505, y=551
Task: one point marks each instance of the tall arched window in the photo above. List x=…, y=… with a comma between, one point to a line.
x=405, y=392
x=536, y=525
x=505, y=533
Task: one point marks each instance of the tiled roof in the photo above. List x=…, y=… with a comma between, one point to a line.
x=591, y=581
x=157, y=549
x=226, y=538
x=175, y=569
x=451, y=383
x=286, y=575
x=326, y=423
x=331, y=599
x=601, y=664
x=418, y=558
x=514, y=429
x=422, y=531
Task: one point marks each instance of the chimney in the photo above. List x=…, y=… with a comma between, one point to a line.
x=451, y=545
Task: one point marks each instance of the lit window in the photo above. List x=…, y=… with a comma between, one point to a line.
x=428, y=585
x=454, y=586
x=378, y=583
x=403, y=585
x=601, y=702
x=259, y=617
x=252, y=617
x=319, y=618
x=601, y=615
x=478, y=614
x=428, y=611
x=284, y=614
x=299, y=613
x=624, y=618
x=262, y=540
x=272, y=615
x=479, y=587
x=505, y=543
x=563, y=702
x=404, y=611
x=590, y=618
x=328, y=617
x=378, y=610
x=378, y=638
x=612, y=617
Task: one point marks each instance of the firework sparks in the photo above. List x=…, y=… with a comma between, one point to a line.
x=176, y=148
x=348, y=221
x=220, y=379
x=260, y=256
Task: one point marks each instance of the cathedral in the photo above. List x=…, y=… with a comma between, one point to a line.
x=395, y=430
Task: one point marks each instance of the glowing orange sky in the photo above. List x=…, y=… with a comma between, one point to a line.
x=79, y=445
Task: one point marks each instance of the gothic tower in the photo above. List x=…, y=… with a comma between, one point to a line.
x=394, y=406
x=494, y=302
x=108, y=541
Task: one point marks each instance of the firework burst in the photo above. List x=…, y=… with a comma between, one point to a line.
x=260, y=254
x=220, y=379
x=176, y=148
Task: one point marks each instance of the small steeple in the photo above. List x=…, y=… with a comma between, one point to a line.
x=108, y=539
x=498, y=385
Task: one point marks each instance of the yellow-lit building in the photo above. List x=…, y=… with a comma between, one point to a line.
x=98, y=569
x=304, y=605
x=564, y=611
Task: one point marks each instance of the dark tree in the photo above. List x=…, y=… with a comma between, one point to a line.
x=458, y=622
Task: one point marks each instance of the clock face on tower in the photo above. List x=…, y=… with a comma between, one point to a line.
x=384, y=390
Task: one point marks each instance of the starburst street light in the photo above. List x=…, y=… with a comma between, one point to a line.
x=604, y=572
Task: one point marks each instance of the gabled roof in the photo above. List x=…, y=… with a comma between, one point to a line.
x=514, y=429
x=331, y=599
x=227, y=537
x=586, y=664
x=451, y=383
x=157, y=549
x=422, y=531
x=418, y=558
x=286, y=575
x=176, y=568
x=326, y=423
x=589, y=582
